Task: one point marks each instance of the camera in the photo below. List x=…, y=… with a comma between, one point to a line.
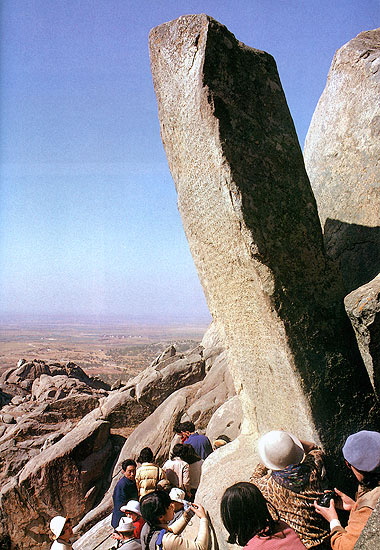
x=324, y=500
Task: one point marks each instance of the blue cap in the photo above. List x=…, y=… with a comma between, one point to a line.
x=362, y=450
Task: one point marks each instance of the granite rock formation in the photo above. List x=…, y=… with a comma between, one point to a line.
x=342, y=151
x=251, y=220
x=253, y=229
x=363, y=309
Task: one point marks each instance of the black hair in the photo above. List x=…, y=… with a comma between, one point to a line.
x=177, y=450
x=245, y=513
x=370, y=479
x=188, y=454
x=126, y=463
x=188, y=426
x=153, y=506
x=177, y=428
x=146, y=455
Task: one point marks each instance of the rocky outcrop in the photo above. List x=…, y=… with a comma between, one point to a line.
x=253, y=229
x=363, y=309
x=64, y=479
x=342, y=159
x=52, y=445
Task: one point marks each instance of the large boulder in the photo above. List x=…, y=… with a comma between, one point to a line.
x=342, y=150
x=251, y=221
x=363, y=309
x=252, y=224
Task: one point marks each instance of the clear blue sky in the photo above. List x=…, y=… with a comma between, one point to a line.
x=88, y=216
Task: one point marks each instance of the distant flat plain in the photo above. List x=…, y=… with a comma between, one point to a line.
x=110, y=350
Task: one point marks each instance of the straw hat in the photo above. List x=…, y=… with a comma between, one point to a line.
x=279, y=449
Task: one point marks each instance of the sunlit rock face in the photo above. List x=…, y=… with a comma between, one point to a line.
x=252, y=225
x=363, y=309
x=342, y=155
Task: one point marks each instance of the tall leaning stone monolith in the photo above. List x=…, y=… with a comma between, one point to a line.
x=251, y=221
x=342, y=158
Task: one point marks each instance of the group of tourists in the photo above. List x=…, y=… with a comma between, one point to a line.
x=284, y=506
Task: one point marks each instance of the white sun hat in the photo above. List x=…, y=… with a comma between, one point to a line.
x=178, y=495
x=279, y=449
x=131, y=506
x=125, y=525
x=57, y=524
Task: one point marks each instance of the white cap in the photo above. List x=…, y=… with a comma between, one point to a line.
x=131, y=506
x=57, y=524
x=279, y=449
x=126, y=525
x=177, y=495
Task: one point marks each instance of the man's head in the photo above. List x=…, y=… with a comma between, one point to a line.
x=187, y=428
x=125, y=528
x=129, y=469
x=177, y=428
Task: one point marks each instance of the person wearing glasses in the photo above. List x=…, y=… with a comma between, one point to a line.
x=361, y=452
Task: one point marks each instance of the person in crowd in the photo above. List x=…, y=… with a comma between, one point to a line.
x=124, y=491
x=291, y=477
x=195, y=463
x=63, y=531
x=249, y=522
x=165, y=485
x=221, y=440
x=158, y=510
x=178, y=437
x=125, y=534
x=177, y=496
x=361, y=452
x=148, y=474
x=201, y=443
x=132, y=510
x=177, y=470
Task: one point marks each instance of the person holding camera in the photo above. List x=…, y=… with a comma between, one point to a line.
x=291, y=477
x=361, y=452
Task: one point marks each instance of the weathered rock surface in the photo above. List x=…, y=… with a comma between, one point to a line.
x=342, y=151
x=253, y=229
x=370, y=537
x=63, y=479
x=363, y=309
x=226, y=420
x=99, y=536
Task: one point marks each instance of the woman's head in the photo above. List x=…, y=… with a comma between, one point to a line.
x=154, y=507
x=188, y=454
x=177, y=450
x=146, y=455
x=245, y=513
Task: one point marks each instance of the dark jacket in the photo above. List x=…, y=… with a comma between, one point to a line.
x=124, y=491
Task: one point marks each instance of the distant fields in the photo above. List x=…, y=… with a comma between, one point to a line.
x=112, y=351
